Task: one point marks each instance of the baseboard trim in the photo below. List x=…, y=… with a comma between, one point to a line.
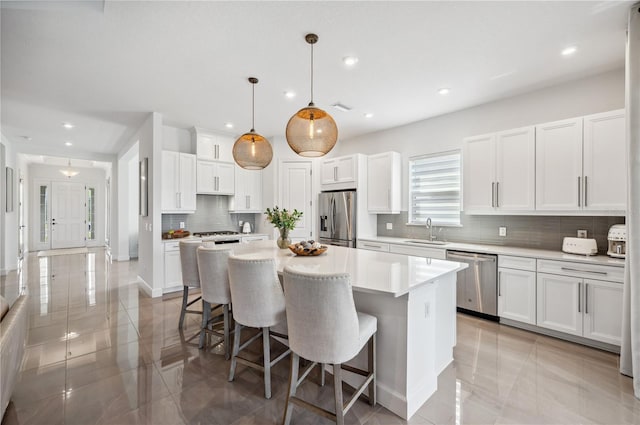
x=147, y=289
x=123, y=258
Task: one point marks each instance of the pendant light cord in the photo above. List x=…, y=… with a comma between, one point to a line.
x=253, y=107
x=311, y=103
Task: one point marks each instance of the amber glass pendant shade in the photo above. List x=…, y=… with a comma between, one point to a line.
x=252, y=151
x=311, y=132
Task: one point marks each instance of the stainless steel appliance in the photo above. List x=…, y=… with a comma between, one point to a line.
x=338, y=218
x=617, y=241
x=477, y=287
x=219, y=236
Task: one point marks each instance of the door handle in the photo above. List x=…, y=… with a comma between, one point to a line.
x=585, y=191
x=586, y=294
x=569, y=269
x=335, y=174
x=216, y=151
x=248, y=201
x=493, y=194
x=579, y=293
x=497, y=194
x=389, y=198
x=499, y=285
x=177, y=199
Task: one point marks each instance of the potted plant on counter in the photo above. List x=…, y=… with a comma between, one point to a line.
x=284, y=221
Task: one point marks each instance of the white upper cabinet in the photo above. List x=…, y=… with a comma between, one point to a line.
x=210, y=146
x=178, y=182
x=384, y=183
x=605, y=167
x=215, y=178
x=581, y=164
x=499, y=171
x=340, y=173
x=559, y=165
x=248, y=191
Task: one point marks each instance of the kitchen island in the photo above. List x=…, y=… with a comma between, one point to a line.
x=414, y=299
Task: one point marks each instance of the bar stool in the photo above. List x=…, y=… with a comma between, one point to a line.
x=190, y=276
x=214, y=282
x=258, y=302
x=324, y=327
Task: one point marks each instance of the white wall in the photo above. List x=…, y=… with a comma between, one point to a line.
x=599, y=93
x=176, y=139
x=9, y=221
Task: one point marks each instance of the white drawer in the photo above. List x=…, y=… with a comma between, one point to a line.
x=589, y=271
x=171, y=246
x=437, y=253
x=518, y=263
x=373, y=246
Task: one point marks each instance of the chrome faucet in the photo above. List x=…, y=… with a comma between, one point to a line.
x=430, y=229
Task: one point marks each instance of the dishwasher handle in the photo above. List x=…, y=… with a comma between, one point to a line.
x=475, y=258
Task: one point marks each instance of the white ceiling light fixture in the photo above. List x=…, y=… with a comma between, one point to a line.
x=350, y=60
x=68, y=143
x=228, y=124
x=568, y=51
x=368, y=115
x=69, y=172
x=444, y=91
x=289, y=94
x=68, y=125
x=302, y=132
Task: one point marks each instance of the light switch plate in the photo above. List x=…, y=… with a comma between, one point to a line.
x=582, y=233
x=389, y=226
x=502, y=231
x=182, y=224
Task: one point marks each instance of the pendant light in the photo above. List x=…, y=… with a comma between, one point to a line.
x=252, y=151
x=69, y=172
x=311, y=132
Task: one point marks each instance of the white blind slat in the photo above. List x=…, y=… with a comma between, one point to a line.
x=434, y=189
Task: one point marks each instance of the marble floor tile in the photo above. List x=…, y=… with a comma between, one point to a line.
x=100, y=351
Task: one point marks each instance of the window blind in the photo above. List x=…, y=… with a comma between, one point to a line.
x=434, y=189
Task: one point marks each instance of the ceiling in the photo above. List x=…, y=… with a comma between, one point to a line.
x=104, y=65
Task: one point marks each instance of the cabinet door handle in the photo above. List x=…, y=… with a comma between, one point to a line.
x=217, y=183
x=579, y=293
x=372, y=246
x=335, y=174
x=586, y=298
x=216, y=151
x=389, y=199
x=579, y=188
x=499, y=284
x=493, y=194
x=497, y=194
x=247, y=201
x=585, y=191
x=177, y=199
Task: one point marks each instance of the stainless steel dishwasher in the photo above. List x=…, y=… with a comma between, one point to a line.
x=477, y=287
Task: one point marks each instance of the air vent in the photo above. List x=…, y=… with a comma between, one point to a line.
x=339, y=106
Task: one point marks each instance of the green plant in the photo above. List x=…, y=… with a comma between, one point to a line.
x=282, y=218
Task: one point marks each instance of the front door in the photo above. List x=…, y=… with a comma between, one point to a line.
x=295, y=193
x=68, y=215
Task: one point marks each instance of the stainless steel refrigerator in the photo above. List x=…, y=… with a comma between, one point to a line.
x=338, y=218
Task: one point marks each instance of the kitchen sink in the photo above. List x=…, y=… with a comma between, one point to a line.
x=422, y=242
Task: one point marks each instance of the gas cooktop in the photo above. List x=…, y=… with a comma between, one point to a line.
x=217, y=233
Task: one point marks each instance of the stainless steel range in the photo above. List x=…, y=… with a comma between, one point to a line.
x=219, y=236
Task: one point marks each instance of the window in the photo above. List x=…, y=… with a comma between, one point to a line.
x=434, y=189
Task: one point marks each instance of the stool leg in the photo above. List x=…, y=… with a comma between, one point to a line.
x=267, y=362
x=322, y=372
x=206, y=314
x=337, y=391
x=236, y=348
x=226, y=331
x=185, y=299
x=293, y=381
x=372, y=369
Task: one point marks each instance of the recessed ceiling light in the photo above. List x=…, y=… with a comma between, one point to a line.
x=350, y=60
x=368, y=115
x=228, y=125
x=289, y=94
x=68, y=125
x=68, y=144
x=568, y=51
x=444, y=91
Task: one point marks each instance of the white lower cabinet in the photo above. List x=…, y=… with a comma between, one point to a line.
x=517, y=295
x=437, y=253
x=172, y=266
x=580, y=306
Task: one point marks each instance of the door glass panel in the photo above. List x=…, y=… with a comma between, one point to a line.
x=91, y=214
x=44, y=213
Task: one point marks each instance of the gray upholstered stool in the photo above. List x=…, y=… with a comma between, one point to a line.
x=214, y=283
x=258, y=302
x=190, y=276
x=324, y=327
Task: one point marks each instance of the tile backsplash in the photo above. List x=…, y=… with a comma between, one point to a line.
x=212, y=213
x=542, y=232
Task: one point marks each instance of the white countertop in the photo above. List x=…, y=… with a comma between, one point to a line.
x=192, y=238
x=506, y=250
x=370, y=271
